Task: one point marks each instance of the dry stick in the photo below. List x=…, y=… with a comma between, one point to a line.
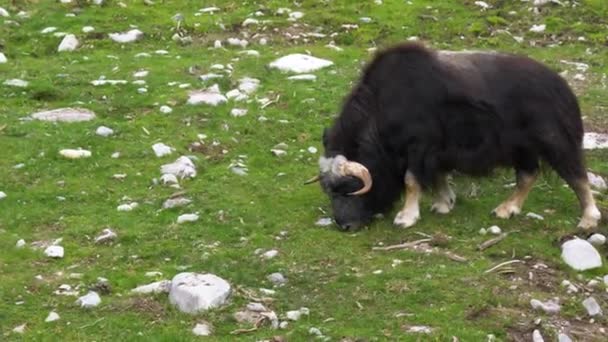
x=401, y=246
x=92, y=324
x=492, y=242
x=257, y=324
x=455, y=257
x=503, y=264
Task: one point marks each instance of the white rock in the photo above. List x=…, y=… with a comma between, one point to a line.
x=127, y=37
x=597, y=239
x=300, y=63
x=69, y=43
x=165, y=109
x=293, y=315
x=597, y=182
x=593, y=141
x=15, y=82
x=162, y=150
x=194, y=292
x=52, y=317
x=495, y=230
x=65, y=115
x=19, y=329
x=202, y=329
x=168, y=179
x=115, y=155
x=303, y=77
x=538, y=28
x=537, y=337
x=75, y=154
x=183, y=167
x=90, y=300
x=211, y=96
x=250, y=21
x=141, y=74
x=312, y=150
x=3, y=58
x=4, y=13
x=106, y=235
x=238, y=112
x=104, y=131
x=153, y=274
x=549, y=307
x=606, y=280
x=176, y=202
x=270, y=254
x=295, y=16
x=20, y=243
x=315, y=331
x=250, y=53
x=187, y=218
x=482, y=4
x=278, y=153
x=209, y=10
x=88, y=29
x=420, y=329
x=127, y=206
x=54, y=252
x=580, y=255
x=248, y=85
x=277, y=279
x=162, y=286
x=50, y=29
x=236, y=95
x=561, y=337
x=161, y=52
x=535, y=216
x=256, y=307
x=210, y=76
x=323, y=222
x=108, y=82
x=592, y=307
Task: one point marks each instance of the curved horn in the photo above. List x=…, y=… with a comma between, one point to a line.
x=355, y=169
x=313, y=180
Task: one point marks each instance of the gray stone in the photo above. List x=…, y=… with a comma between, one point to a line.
x=65, y=115
x=195, y=292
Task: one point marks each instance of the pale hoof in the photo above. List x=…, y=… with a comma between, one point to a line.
x=406, y=219
x=506, y=210
x=441, y=207
x=591, y=218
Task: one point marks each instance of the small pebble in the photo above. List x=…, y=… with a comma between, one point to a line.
x=494, y=230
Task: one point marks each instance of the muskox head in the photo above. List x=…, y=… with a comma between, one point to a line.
x=346, y=183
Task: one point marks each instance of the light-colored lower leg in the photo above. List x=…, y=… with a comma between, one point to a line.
x=445, y=198
x=591, y=214
x=512, y=206
x=410, y=213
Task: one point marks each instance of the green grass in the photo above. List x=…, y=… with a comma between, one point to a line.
x=329, y=272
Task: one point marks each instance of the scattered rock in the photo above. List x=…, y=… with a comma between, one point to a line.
x=127, y=37
x=303, y=77
x=494, y=230
x=183, y=167
x=88, y=29
x=202, y=329
x=592, y=306
x=237, y=112
x=278, y=153
x=482, y=4
x=592, y=141
x=69, y=43
x=107, y=235
x=538, y=28
x=277, y=279
x=210, y=76
x=187, y=218
x=248, y=85
x=52, y=317
x=165, y=109
x=162, y=286
x=15, y=82
x=315, y=331
x=102, y=82
x=537, y=337
x=194, y=292
x=2, y=195
x=169, y=179
x=535, y=216
x=580, y=255
x=597, y=239
x=597, y=182
x=162, y=150
x=54, y=252
x=104, y=131
x=20, y=243
x=176, y=202
x=75, y=154
x=211, y=96
x=549, y=307
x=4, y=13
x=90, y=300
x=324, y=222
x=3, y=58
x=420, y=329
x=270, y=254
x=19, y=329
x=300, y=63
x=561, y=337
x=127, y=206
x=297, y=314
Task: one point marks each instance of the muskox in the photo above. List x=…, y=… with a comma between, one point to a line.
x=417, y=114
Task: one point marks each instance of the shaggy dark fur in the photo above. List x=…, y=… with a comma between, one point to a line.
x=419, y=110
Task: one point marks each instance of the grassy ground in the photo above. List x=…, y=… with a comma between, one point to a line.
x=332, y=273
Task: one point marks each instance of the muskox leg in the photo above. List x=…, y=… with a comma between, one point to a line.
x=445, y=198
x=591, y=214
x=410, y=213
x=512, y=206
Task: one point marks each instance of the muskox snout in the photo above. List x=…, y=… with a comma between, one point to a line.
x=348, y=226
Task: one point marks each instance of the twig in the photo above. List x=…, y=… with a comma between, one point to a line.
x=92, y=324
x=455, y=257
x=243, y=331
x=503, y=264
x=270, y=102
x=401, y=246
x=492, y=242
x=423, y=234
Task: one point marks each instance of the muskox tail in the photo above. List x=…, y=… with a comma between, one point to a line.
x=472, y=137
